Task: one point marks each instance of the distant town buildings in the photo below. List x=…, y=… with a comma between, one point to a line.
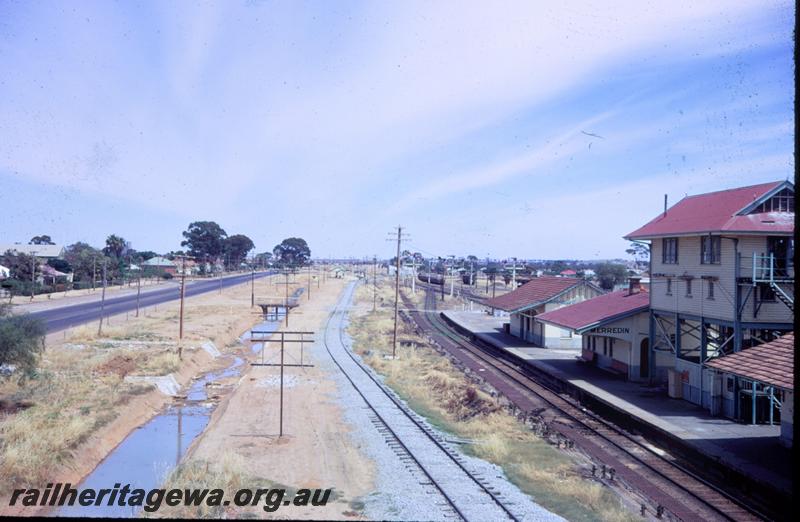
x=161, y=264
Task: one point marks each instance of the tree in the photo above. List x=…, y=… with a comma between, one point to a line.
x=116, y=246
x=84, y=259
x=292, y=252
x=205, y=240
x=20, y=266
x=60, y=264
x=263, y=259
x=610, y=274
x=639, y=252
x=21, y=341
x=237, y=247
x=41, y=240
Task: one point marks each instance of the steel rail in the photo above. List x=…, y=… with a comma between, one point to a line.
x=402, y=409
x=532, y=386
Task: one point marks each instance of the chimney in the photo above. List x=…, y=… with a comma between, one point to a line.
x=665, y=204
x=634, y=285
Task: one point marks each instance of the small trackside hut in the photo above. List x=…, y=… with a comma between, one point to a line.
x=540, y=295
x=722, y=281
x=614, y=328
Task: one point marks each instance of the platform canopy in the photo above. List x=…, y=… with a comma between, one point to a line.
x=770, y=363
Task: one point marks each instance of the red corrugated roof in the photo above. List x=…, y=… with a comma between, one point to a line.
x=593, y=312
x=536, y=291
x=770, y=363
x=717, y=212
x=568, y=272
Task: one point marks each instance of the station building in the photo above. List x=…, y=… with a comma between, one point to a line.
x=540, y=295
x=722, y=281
x=614, y=329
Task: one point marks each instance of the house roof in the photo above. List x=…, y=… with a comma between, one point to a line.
x=721, y=211
x=50, y=271
x=568, y=272
x=598, y=310
x=158, y=261
x=771, y=363
x=37, y=250
x=538, y=290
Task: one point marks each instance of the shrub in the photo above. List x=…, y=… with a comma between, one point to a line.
x=21, y=341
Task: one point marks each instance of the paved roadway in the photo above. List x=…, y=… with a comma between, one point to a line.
x=64, y=317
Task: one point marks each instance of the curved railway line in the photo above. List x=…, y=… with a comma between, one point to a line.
x=398, y=433
x=674, y=490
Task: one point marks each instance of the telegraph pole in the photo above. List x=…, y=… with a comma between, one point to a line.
x=452, y=280
x=94, y=271
x=374, y=283
x=413, y=275
x=33, y=273
x=253, y=287
x=183, y=295
x=102, y=299
x=138, y=290
x=444, y=275
x=399, y=239
x=309, y=280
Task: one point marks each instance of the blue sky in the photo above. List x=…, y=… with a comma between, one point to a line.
x=470, y=124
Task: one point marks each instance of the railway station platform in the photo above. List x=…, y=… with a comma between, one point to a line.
x=752, y=450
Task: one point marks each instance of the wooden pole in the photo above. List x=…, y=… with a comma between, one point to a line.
x=396, y=291
x=102, y=300
x=280, y=432
x=183, y=288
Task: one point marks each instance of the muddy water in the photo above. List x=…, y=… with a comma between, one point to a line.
x=148, y=454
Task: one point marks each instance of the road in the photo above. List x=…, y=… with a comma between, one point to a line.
x=64, y=317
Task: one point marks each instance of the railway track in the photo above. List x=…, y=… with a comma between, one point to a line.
x=674, y=491
x=467, y=495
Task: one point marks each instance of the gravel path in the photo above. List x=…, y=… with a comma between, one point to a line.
x=404, y=490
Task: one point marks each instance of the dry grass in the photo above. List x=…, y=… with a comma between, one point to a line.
x=436, y=388
x=78, y=391
x=225, y=473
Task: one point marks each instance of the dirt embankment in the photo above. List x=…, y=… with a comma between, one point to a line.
x=80, y=408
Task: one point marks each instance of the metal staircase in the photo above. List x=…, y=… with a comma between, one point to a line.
x=764, y=271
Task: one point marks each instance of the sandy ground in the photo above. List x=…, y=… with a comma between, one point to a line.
x=79, y=354
x=314, y=451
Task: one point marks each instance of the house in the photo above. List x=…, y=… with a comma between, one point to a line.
x=51, y=276
x=568, y=273
x=721, y=281
x=160, y=264
x=337, y=272
x=4, y=272
x=189, y=265
x=39, y=251
x=766, y=384
x=614, y=329
x=540, y=295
